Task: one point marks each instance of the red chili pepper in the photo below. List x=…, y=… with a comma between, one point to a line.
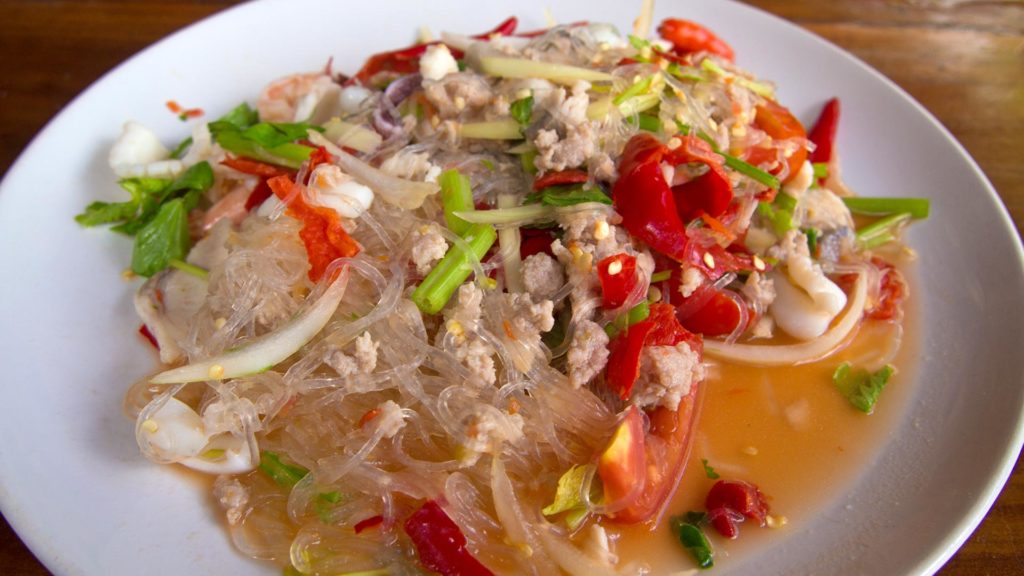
x=322, y=233
x=652, y=211
x=368, y=523
x=823, y=134
x=440, y=544
x=729, y=502
x=255, y=167
x=559, y=178
x=616, y=288
x=407, y=60
x=370, y=415
x=687, y=36
x=711, y=192
x=259, y=195
x=144, y=330
x=506, y=28
x=661, y=328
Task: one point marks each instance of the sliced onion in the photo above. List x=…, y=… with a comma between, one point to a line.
x=509, y=241
x=352, y=135
x=570, y=558
x=790, y=354
x=504, y=67
x=403, y=193
x=267, y=351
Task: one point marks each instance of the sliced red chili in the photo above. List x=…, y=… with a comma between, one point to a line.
x=255, y=167
x=661, y=328
x=823, y=134
x=729, y=502
x=440, y=544
x=559, y=178
x=616, y=287
x=324, y=237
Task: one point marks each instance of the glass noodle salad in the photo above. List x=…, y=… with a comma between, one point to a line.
x=456, y=312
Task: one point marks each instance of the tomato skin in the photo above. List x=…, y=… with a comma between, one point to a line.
x=616, y=288
x=892, y=292
x=779, y=123
x=661, y=328
x=621, y=465
x=572, y=176
x=687, y=36
x=719, y=316
x=440, y=544
x=667, y=448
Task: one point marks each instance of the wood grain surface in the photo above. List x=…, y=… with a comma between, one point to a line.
x=963, y=60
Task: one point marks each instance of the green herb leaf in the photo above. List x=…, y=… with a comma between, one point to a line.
x=820, y=170
x=271, y=134
x=638, y=42
x=708, y=470
x=456, y=196
x=98, y=213
x=522, y=111
x=286, y=475
x=693, y=539
x=162, y=239
x=239, y=118
x=860, y=387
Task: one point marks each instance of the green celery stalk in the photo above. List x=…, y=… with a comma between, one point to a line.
x=751, y=171
x=456, y=196
x=916, y=207
x=637, y=88
x=439, y=285
x=882, y=231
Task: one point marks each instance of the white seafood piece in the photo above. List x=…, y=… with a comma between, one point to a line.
x=806, y=301
x=331, y=188
x=175, y=433
x=437, y=62
x=138, y=152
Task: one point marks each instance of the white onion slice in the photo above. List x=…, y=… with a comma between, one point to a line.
x=790, y=354
x=267, y=351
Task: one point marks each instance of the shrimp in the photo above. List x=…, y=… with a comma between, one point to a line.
x=294, y=98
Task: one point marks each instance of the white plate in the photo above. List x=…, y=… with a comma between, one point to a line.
x=75, y=488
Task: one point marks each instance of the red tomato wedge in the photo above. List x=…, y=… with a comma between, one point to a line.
x=666, y=450
x=621, y=466
x=779, y=123
x=720, y=315
x=687, y=36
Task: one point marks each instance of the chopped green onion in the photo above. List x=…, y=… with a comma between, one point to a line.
x=709, y=471
x=188, y=268
x=758, y=88
x=637, y=88
x=487, y=164
x=693, y=539
x=820, y=170
x=440, y=284
x=812, y=240
x=568, y=195
x=661, y=276
x=779, y=213
x=860, y=387
x=286, y=475
x=883, y=231
x=638, y=104
x=916, y=207
x=751, y=171
x=330, y=497
x=637, y=313
x=456, y=196
x=647, y=122
x=638, y=42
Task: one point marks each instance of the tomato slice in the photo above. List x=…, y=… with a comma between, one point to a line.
x=779, y=123
x=622, y=464
x=720, y=315
x=666, y=450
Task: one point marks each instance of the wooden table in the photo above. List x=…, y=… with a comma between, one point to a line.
x=964, y=60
